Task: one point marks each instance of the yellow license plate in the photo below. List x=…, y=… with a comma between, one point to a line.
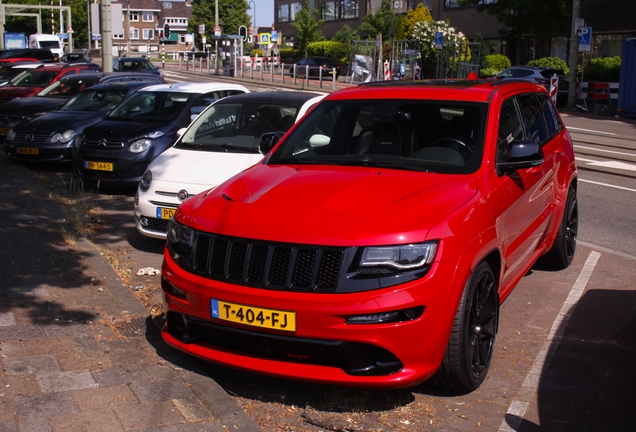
x=28, y=150
x=98, y=166
x=253, y=316
x=5, y=131
x=165, y=212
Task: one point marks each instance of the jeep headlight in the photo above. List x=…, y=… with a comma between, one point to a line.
x=386, y=259
x=180, y=241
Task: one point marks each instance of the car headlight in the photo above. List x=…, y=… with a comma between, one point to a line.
x=386, y=259
x=180, y=241
x=79, y=140
x=140, y=145
x=63, y=137
x=145, y=181
x=11, y=135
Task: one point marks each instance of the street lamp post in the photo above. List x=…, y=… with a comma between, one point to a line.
x=253, y=17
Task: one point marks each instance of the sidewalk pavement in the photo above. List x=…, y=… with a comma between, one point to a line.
x=78, y=350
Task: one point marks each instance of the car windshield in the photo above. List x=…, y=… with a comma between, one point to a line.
x=149, y=106
x=437, y=136
x=237, y=126
x=64, y=88
x=95, y=100
x=36, y=79
x=135, y=65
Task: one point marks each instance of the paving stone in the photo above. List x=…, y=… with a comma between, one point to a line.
x=104, y=397
x=44, y=405
x=7, y=319
x=39, y=424
x=194, y=427
x=121, y=375
x=31, y=364
x=86, y=343
x=12, y=348
x=161, y=413
x=161, y=372
x=192, y=409
x=102, y=420
x=22, y=332
x=13, y=385
x=8, y=427
x=161, y=390
x=66, y=381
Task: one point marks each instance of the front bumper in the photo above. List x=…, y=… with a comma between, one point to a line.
x=379, y=355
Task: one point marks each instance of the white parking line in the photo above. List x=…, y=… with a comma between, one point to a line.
x=605, y=151
x=589, y=130
x=608, y=185
x=517, y=409
x=608, y=164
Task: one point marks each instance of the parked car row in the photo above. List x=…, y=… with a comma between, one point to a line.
x=363, y=238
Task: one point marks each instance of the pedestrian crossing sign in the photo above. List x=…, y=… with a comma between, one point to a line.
x=264, y=38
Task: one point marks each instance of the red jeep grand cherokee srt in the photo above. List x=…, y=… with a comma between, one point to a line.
x=374, y=243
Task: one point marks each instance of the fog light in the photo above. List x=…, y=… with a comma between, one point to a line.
x=387, y=317
x=144, y=221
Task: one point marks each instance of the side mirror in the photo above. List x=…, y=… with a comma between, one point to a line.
x=267, y=142
x=521, y=155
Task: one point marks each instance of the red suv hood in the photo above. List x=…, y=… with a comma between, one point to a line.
x=18, y=92
x=339, y=206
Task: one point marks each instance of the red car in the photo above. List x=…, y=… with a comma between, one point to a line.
x=31, y=83
x=374, y=243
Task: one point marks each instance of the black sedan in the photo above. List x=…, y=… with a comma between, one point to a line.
x=313, y=66
x=47, y=100
x=116, y=151
x=50, y=138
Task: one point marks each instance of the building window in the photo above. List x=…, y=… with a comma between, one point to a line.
x=149, y=34
x=134, y=16
x=134, y=33
x=607, y=45
x=329, y=11
x=349, y=9
x=148, y=17
x=295, y=8
x=167, y=5
x=282, y=15
x=455, y=3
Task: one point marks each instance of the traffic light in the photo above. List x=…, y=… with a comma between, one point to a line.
x=243, y=32
x=160, y=33
x=166, y=31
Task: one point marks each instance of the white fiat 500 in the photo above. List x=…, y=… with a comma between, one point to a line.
x=221, y=142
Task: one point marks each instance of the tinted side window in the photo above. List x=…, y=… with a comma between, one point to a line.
x=533, y=118
x=550, y=115
x=510, y=128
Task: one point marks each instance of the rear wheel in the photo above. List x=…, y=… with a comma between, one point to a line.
x=561, y=254
x=472, y=340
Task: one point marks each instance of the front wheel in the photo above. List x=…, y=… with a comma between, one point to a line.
x=472, y=340
x=561, y=253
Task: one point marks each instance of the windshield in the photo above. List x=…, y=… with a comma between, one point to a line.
x=64, y=88
x=237, y=126
x=95, y=100
x=36, y=79
x=135, y=65
x=148, y=106
x=437, y=136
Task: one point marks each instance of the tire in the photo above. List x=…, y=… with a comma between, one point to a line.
x=472, y=340
x=561, y=253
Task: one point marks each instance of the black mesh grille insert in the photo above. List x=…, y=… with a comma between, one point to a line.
x=267, y=264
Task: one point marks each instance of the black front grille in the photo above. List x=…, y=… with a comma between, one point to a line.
x=268, y=264
x=157, y=224
x=358, y=359
x=104, y=144
x=29, y=138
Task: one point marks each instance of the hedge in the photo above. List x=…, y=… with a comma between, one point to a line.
x=551, y=62
x=606, y=69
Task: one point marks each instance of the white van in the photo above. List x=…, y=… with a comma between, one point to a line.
x=49, y=41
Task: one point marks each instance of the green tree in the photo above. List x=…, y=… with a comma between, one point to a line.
x=232, y=15
x=307, y=26
x=419, y=14
x=346, y=34
x=539, y=17
x=381, y=22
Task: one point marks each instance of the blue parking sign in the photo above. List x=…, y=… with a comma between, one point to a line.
x=585, y=40
x=439, y=40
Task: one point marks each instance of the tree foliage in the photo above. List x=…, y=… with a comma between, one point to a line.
x=419, y=14
x=346, y=34
x=381, y=22
x=232, y=15
x=307, y=26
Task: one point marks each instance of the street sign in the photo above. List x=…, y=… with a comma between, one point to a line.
x=201, y=29
x=439, y=40
x=579, y=23
x=217, y=30
x=585, y=40
x=264, y=38
x=70, y=29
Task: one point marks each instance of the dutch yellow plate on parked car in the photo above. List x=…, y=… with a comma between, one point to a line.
x=98, y=166
x=28, y=150
x=253, y=316
x=165, y=212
